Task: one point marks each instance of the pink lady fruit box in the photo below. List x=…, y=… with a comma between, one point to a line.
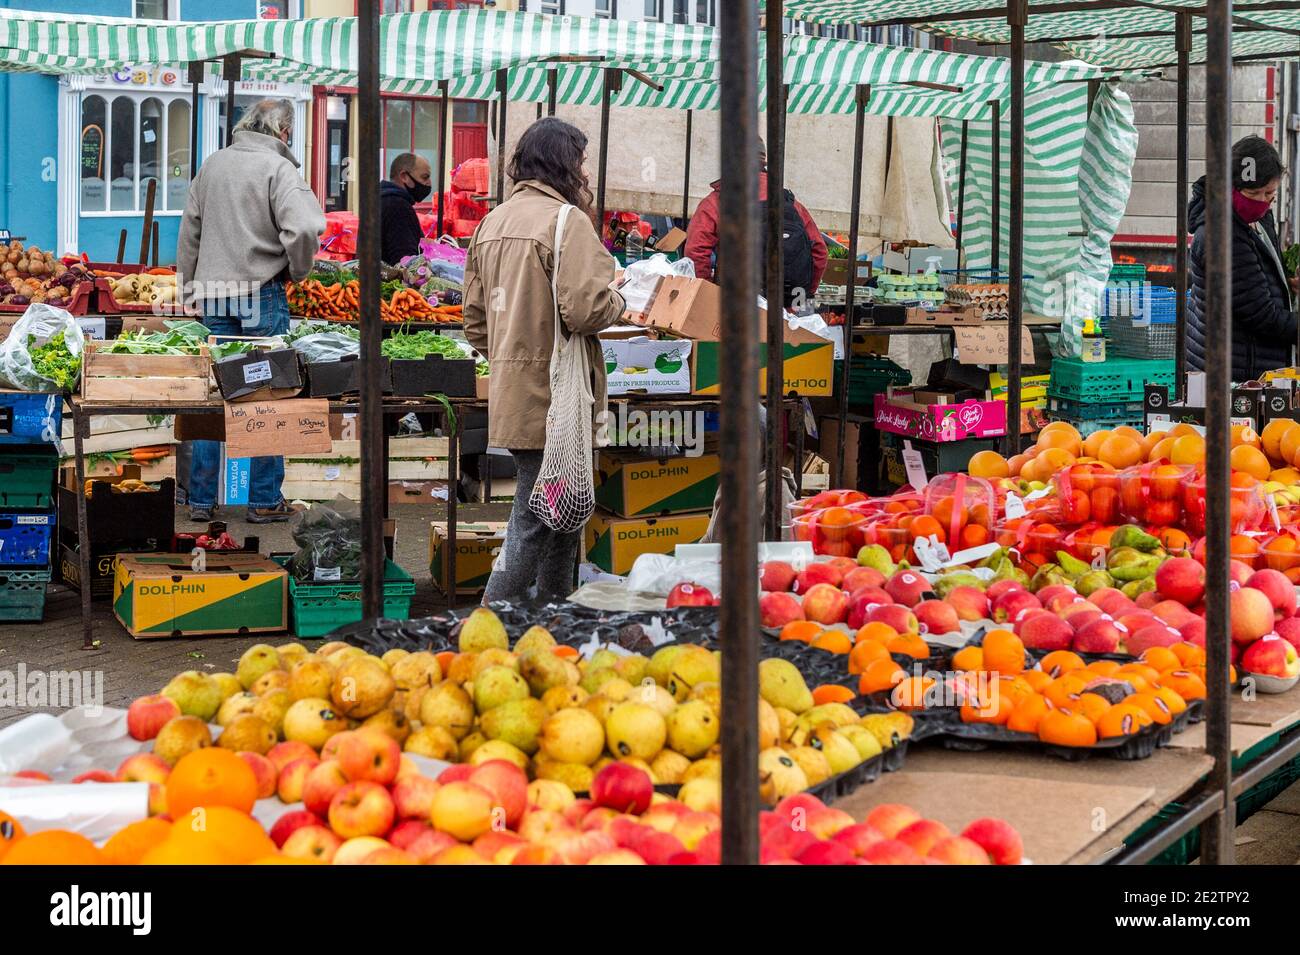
x=901, y=412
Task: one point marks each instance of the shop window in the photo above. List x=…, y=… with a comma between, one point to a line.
x=654, y=10
x=706, y=12
x=154, y=10
x=681, y=11
x=553, y=7
x=607, y=9
x=128, y=140
x=277, y=9
x=469, y=111
x=411, y=126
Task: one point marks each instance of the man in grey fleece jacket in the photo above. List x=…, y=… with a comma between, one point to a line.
x=250, y=225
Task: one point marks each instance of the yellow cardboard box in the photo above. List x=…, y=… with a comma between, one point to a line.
x=633, y=486
x=161, y=595
x=477, y=546
x=614, y=543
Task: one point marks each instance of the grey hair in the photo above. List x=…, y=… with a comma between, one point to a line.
x=271, y=117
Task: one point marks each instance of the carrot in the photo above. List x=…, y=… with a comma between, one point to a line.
x=160, y=271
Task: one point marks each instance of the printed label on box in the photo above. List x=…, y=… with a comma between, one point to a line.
x=257, y=371
x=327, y=573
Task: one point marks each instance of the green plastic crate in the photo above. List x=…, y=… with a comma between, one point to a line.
x=870, y=375
x=22, y=595
x=1127, y=272
x=27, y=476
x=319, y=608
x=1115, y=379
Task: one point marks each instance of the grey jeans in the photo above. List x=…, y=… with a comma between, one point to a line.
x=536, y=561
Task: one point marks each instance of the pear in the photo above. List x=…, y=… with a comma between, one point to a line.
x=769, y=725
x=572, y=735
x=542, y=670
x=693, y=666
x=313, y=721
x=325, y=649
x=492, y=749
x=692, y=728
x=270, y=680
x=889, y=729
x=1136, y=588
x=391, y=723
x=636, y=730
x=593, y=680
x=448, y=706
x=362, y=687
x=945, y=584
x=600, y=707
x=839, y=752
x=877, y=556
x=782, y=685
x=470, y=745
x=669, y=767
x=708, y=768
x=701, y=795
x=661, y=664
x=414, y=670
x=710, y=693
x=652, y=694
x=181, y=735
x=248, y=733
x=497, y=685
x=517, y=722
x=577, y=776
x=228, y=683
x=1130, y=535
x=601, y=659
x=863, y=740
x=779, y=776
x=257, y=659
x=1048, y=575
x=461, y=669
x=785, y=720
x=632, y=668
x=1071, y=565
x=236, y=705
x=390, y=657
x=572, y=673
x=1093, y=581
x=813, y=762
x=493, y=658
x=197, y=694
x=841, y=714
x=411, y=704
x=564, y=697
x=271, y=707
x=617, y=689
x=482, y=630
x=292, y=653
x=434, y=742
x=312, y=677
x=534, y=638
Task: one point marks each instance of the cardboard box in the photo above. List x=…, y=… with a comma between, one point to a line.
x=671, y=241
x=417, y=492
x=809, y=369
x=630, y=485
x=647, y=365
x=691, y=308
x=260, y=375
x=913, y=259
x=614, y=543
x=481, y=387
x=102, y=561
x=477, y=546
x=899, y=413
x=160, y=595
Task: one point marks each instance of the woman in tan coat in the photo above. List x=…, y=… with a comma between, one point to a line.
x=509, y=318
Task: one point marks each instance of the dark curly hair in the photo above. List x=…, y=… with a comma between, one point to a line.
x=551, y=151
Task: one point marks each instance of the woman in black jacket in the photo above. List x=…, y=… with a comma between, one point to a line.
x=1263, y=325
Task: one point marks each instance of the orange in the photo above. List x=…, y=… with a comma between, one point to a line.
x=1062, y=694
x=1182, y=428
x=1016, y=464
x=880, y=675
x=865, y=652
x=55, y=847
x=880, y=632
x=1037, y=679
x=1188, y=654
x=832, y=693
x=210, y=777
x=1156, y=707
x=1003, y=652
x=1120, y=450
x=995, y=709
x=802, y=630
x=1242, y=547
x=11, y=830
x=910, y=644
x=128, y=845
x=1189, y=449
x=988, y=464
x=1160, y=658
x=1064, y=728
x=1175, y=539
x=1122, y=719
x=926, y=526
x=1092, y=444
x=1287, y=475
x=1051, y=460
x=1242, y=479
x=943, y=513
x=1162, y=450
x=1270, y=438
x=1103, y=667
x=910, y=693
x=1061, y=661
x=1067, y=441
x=834, y=641
x=1015, y=688
x=1289, y=446
x=1149, y=443
x=1064, y=426
x=1136, y=668
x=1186, y=684
x=1243, y=435
x=1027, y=713
x=1092, y=705
x=973, y=535
x=567, y=653
x=235, y=835
x=968, y=658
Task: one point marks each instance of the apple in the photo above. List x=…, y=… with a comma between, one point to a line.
x=777, y=576
x=312, y=841
x=907, y=587
x=1012, y=603
x=825, y=822
x=148, y=714
x=1111, y=601
x=663, y=816
x=778, y=609
x=826, y=853
x=891, y=852
x=597, y=817
x=1288, y=629
x=818, y=572
x=508, y=784
x=1239, y=572
x=390, y=856
x=550, y=794
x=922, y=835
x=1078, y=621
x=1152, y=635
x=999, y=587
x=858, y=838
x=457, y=772
x=656, y=847
x=623, y=788
x=1100, y=636
x=1044, y=631
x=998, y=838
x=1135, y=620
x=970, y=603
x=413, y=796
x=361, y=808
x=709, y=849
x=617, y=857
x=936, y=616
x=1052, y=592
x=1278, y=589
x=958, y=850
x=143, y=768
x=459, y=855
x=579, y=810
x=1193, y=630
x=1251, y=614
x=95, y=776
x=862, y=602
x=1147, y=600
x=889, y=819
x=539, y=824
x=463, y=809
x=354, y=851
x=1181, y=579
x=577, y=848
x=285, y=752
x=537, y=854
x=692, y=827
x=897, y=616
x=293, y=779
x=367, y=756
x=797, y=806
x=428, y=842
x=290, y=823
x=408, y=830
x=1271, y=656
x=860, y=577
x=493, y=842
x=690, y=595
x=1172, y=612
x=323, y=782
x=263, y=772
x=826, y=604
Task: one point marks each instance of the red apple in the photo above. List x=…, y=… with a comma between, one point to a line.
x=1181, y=579
x=263, y=772
x=148, y=714
x=826, y=853
x=368, y=756
x=998, y=838
x=862, y=602
x=970, y=603
x=323, y=782
x=579, y=848
x=777, y=576
x=858, y=838
x=825, y=822
x=284, y=753
x=891, y=818
x=958, y=850
x=1152, y=635
x=778, y=609
x=290, y=823
x=1061, y=593
x=1193, y=630
x=425, y=843
x=1239, y=572
x=1100, y=636
x=623, y=788
x=1000, y=587
x=922, y=835
x=1045, y=631
x=292, y=780
x=413, y=797
x=457, y=772
x=690, y=595
x=578, y=810
x=818, y=572
x=1012, y=604
x=907, y=587
x=1251, y=614
x=656, y=847
x=1078, y=621
x=936, y=616
x=1111, y=601
x=1147, y=600
x=494, y=842
x=797, y=807
x=860, y=577
x=508, y=784
x=1172, y=612
x=825, y=604
x=314, y=842
x=891, y=852
x=1135, y=620
x=95, y=776
x=1271, y=656
x=897, y=616
x=1278, y=589
x=143, y=768
x=844, y=565
x=1288, y=629
x=361, y=809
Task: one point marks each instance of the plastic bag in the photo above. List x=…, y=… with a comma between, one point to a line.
x=329, y=542
x=326, y=346
x=641, y=277
x=437, y=251
x=40, y=325
x=660, y=573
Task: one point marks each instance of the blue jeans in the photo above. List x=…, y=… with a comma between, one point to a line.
x=266, y=312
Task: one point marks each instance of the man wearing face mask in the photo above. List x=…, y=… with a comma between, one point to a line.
x=408, y=182
x=1263, y=323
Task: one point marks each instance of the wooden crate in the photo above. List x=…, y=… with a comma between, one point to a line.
x=149, y=471
x=321, y=477
x=144, y=378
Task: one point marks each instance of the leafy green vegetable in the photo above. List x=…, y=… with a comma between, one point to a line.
x=403, y=344
x=221, y=351
x=54, y=362
x=1291, y=259
x=181, y=338
x=303, y=329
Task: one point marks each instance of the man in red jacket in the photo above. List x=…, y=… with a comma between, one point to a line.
x=803, y=248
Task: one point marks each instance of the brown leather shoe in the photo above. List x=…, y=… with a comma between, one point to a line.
x=270, y=515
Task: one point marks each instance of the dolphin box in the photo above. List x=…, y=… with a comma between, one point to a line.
x=648, y=366
x=164, y=595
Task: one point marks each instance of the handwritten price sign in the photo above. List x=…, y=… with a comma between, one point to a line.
x=294, y=426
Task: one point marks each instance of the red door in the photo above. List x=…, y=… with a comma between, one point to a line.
x=468, y=141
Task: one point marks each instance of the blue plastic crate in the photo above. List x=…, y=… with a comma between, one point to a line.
x=25, y=538
x=29, y=418
x=1154, y=304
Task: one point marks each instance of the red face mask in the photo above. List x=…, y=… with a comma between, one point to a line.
x=1249, y=210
